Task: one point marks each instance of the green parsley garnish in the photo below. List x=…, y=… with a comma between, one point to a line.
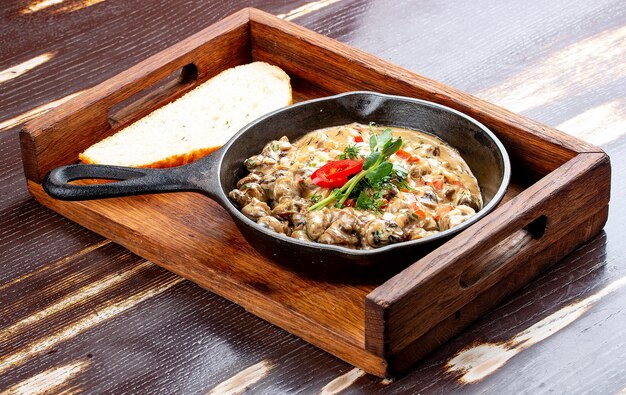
x=351, y=152
x=376, y=172
x=315, y=198
x=371, y=200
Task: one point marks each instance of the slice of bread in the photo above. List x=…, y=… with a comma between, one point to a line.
x=197, y=123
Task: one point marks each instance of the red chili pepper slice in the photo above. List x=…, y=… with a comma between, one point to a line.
x=335, y=174
x=358, y=138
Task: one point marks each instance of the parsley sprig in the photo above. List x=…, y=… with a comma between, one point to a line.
x=372, y=192
x=351, y=152
x=375, y=169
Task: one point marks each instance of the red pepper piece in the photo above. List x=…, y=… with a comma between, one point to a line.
x=438, y=182
x=415, y=208
x=403, y=154
x=407, y=156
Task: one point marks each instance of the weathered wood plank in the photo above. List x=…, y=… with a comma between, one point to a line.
x=186, y=332
x=168, y=229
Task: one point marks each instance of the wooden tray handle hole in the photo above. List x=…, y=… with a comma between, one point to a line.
x=153, y=96
x=508, y=249
x=537, y=228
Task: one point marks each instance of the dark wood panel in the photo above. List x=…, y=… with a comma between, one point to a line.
x=31, y=236
x=117, y=34
x=478, y=46
x=219, y=339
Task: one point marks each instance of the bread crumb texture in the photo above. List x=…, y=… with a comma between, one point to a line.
x=198, y=122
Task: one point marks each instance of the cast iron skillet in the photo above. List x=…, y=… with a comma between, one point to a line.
x=216, y=174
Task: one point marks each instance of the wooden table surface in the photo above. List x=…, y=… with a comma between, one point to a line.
x=79, y=313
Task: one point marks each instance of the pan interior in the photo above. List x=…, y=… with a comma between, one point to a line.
x=471, y=139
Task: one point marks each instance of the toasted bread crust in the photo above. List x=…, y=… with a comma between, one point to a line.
x=170, y=161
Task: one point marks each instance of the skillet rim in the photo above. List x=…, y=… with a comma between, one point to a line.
x=235, y=212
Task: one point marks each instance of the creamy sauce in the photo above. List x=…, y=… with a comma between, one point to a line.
x=437, y=192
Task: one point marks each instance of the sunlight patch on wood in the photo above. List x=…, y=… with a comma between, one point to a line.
x=72, y=299
x=306, y=9
x=69, y=6
x=244, y=379
x=38, y=5
x=599, y=125
x=85, y=323
x=28, y=115
x=481, y=360
x=49, y=381
x=77, y=6
x=19, y=69
x=342, y=382
x=581, y=66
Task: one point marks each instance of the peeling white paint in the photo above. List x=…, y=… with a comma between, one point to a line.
x=342, y=382
x=599, y=125
x=28, y=115
x=306, y=9
x=49, y=381
x=55, y=264
x=73, y=299
x=584, y=65
x=479, y=361
x=85, y=323
x=243, y=380
x=24, y=67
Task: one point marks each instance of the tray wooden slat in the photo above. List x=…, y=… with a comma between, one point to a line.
x=402, y=310
x=329, y=315
x=381, y=326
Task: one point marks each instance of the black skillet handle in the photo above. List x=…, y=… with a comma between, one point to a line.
x=134, y=181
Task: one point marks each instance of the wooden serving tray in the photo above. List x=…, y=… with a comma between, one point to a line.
x=558, y=199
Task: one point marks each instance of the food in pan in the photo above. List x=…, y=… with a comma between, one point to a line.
x=197, y=123
x=358, y=186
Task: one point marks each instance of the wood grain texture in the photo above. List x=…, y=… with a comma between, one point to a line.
x=44, y=140
x=114, y=36
x=403, y=309
x=25, y=222
x=331, y=316
x=484, y=302
x=544, y=149
x=189, y=340
x=195, y=308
